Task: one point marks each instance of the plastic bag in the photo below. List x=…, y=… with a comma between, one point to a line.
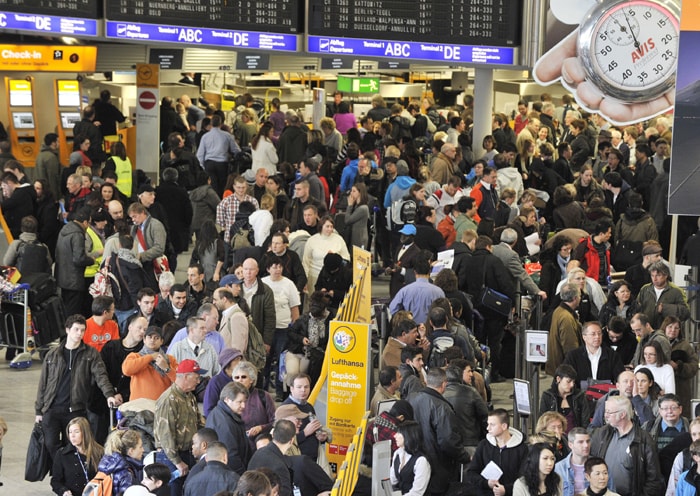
x=37, y=464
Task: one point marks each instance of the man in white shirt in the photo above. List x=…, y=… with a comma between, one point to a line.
x=287, y=304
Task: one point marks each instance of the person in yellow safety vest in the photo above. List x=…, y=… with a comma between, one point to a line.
x=94, y=241
x=120, y=164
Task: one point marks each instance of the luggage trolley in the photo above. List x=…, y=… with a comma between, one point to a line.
x=15, y=323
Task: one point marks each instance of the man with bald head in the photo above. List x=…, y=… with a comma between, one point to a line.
x=261, y=301
x=624, y=387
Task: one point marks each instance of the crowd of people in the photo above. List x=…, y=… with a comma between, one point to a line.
x=275, y=210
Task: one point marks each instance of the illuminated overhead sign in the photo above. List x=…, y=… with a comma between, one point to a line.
x=134, y=31
x=440, y=52
x=67, y=26
x=46, y=58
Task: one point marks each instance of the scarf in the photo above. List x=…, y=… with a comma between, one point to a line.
x=147, y=351
x=562, y=265
x=317, y=329
x=128, y=256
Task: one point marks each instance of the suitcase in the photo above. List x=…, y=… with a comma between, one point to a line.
x=41, y=287
x=49, y=321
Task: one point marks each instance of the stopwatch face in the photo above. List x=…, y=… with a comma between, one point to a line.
x=629, y=48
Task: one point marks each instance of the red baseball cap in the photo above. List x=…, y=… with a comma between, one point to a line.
x=190, y=367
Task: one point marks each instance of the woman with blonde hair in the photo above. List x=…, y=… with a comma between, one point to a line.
x=75, y=464
x=123, y=459
x=261, y=220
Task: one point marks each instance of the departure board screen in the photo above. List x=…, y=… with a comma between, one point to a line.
x=63, y=17
x=274, y=16
x=467, y=22
x=86, y=9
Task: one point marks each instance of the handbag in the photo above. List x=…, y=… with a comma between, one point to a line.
x=37, y=464
x=493, y=300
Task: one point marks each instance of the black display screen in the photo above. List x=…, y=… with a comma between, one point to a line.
x=465, y=22
x=84, y=9
x=272, y=16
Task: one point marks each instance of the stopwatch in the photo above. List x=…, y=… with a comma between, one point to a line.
x=629, y=48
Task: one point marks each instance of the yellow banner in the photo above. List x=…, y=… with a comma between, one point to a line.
x=347, y=383
x=48, y=58
x=362, y=268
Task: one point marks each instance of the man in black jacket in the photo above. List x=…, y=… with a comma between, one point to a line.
x=64, y=386
x=489, y=272
x=628, y=451
x=442, y=441
x=607, y=363
x=273, y=455
x=216, y=476
x=226, y=420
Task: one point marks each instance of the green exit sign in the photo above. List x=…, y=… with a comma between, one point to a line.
x=358, y=84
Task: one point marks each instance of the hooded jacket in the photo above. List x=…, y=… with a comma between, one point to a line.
x=398, y=189
x=125, y=471
x=204, y=202
x=509, y=458
x=71, y=258
x=48, y=166
x=635, y=225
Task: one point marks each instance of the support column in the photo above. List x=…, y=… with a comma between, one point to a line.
x=483, y=107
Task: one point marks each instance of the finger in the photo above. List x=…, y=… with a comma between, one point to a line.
x=572, y=72
x=548, y=67
x=621, y=114
x=589, y=95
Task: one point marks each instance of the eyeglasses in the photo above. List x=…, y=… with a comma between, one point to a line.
x=671, y=408
x=608, y=414
x=240, y=376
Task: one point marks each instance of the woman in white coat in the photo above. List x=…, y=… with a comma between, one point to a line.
x=318, y=246
x=263, y=150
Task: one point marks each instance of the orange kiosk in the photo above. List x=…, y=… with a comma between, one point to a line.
x=67, y=94
x=22, y=131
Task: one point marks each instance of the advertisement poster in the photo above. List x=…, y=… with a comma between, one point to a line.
x=347, y=384
x=685, y=173
x=620, y=58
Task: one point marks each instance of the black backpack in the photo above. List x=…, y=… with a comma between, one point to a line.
x=31, y=258
x=436, y=358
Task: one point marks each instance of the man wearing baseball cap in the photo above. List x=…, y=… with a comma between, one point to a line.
x=402, y=273
x=177, y=419
x=150, y=369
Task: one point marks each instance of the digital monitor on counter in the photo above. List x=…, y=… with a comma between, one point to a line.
x=23, y=120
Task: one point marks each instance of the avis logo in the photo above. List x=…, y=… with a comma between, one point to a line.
x=344, y=339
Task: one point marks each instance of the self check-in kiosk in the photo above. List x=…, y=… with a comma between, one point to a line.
x=23, y=132
x=67, y=114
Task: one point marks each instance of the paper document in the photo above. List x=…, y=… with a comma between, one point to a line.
x=492, y=472
x=530, y=241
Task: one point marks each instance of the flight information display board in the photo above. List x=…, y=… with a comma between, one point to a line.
x=269, y=25
x=87, y=9
x=274, y=16
x=66, y=17
x=464, y=22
